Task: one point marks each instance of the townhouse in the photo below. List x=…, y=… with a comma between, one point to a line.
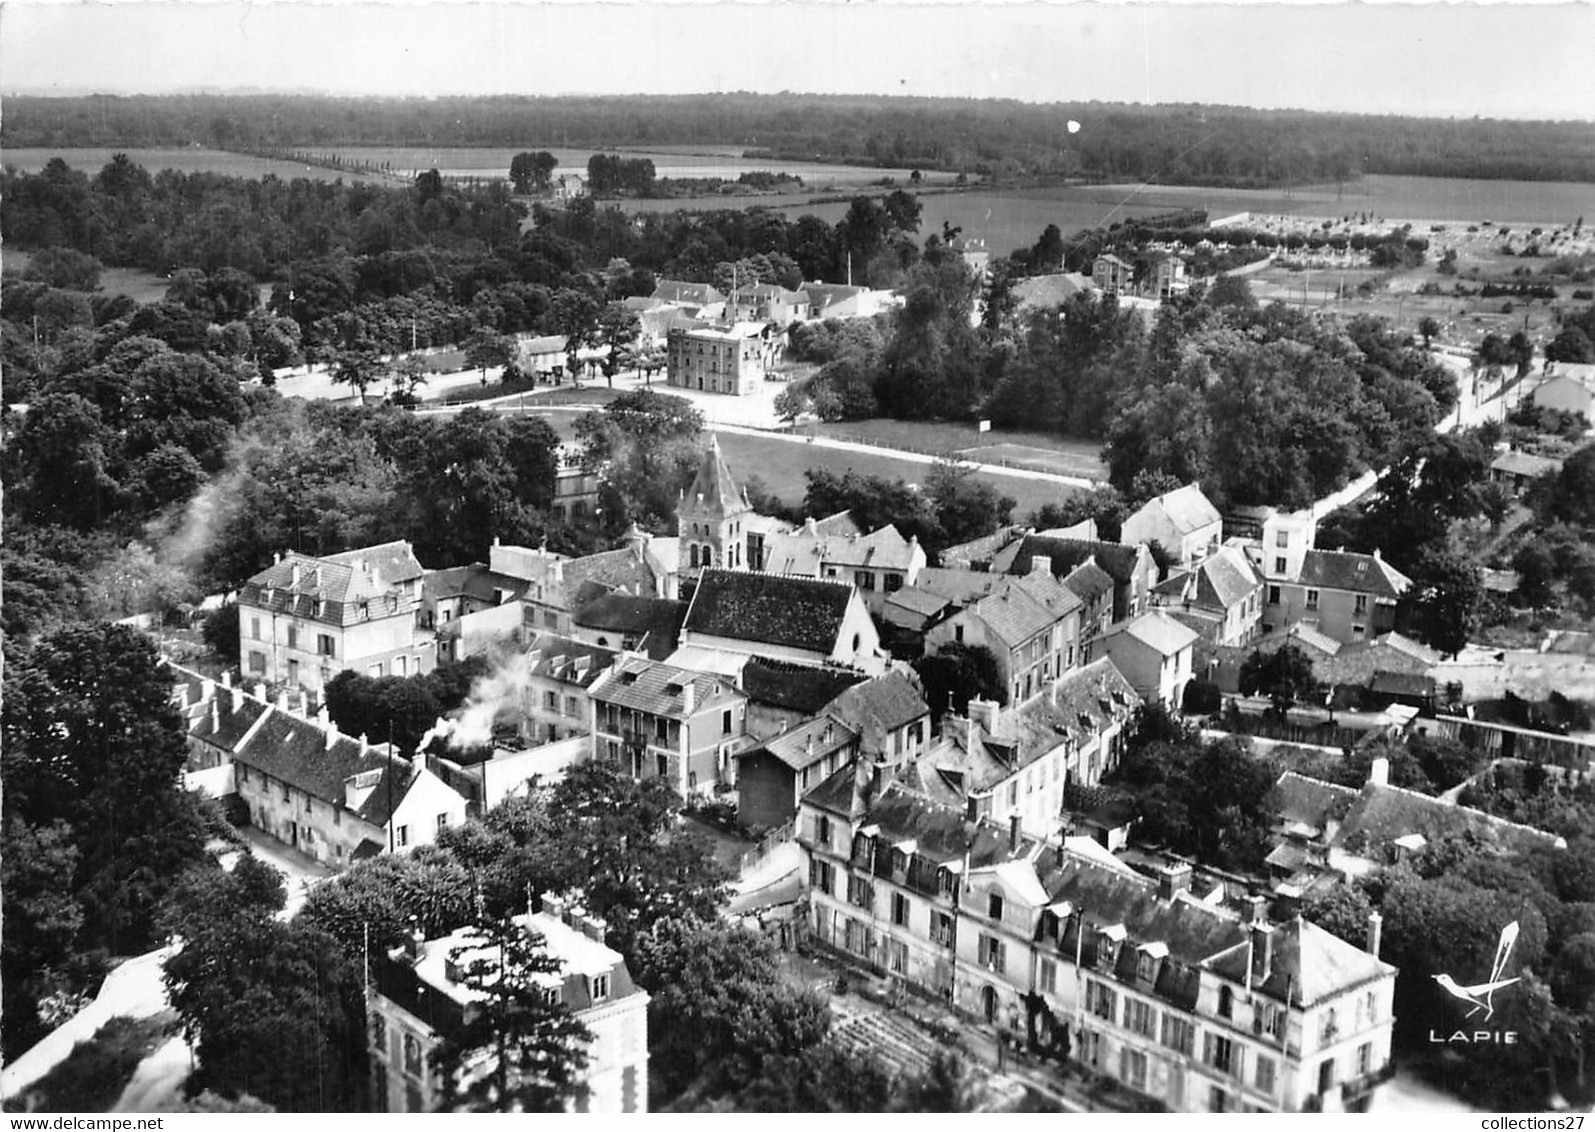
x=655, y=720
x=1183, y=522
x=1132, y=568
x=879, y=564
x=559, y=674
x=1155, y=652
x=1347, y=597
x=718, y=359
x=773, y=776
x=419, y=998
x=889, y=713
x=1030, y=624
x=1221, y=597
x=1194, y=1006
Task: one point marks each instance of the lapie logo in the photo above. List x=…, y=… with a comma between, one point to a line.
x=1481, y=996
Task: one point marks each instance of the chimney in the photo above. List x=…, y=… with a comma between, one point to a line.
x=276, y=558
x=415, y=942
x=1013, y=833
x=238, y=699
x=983, y=712
x=1173, y=880
x=594, y=928
x=332, y=737
x=1379, y=772
x=323, y=717
x=1258, y=909
x=260, y=693
x=227, y=678
x=553, y=906
x=1040, y=564
x=1262, y=951
x=1378, y=554
x=294, y=576
x=282, y=700
x=687, y=699
x=810, y=528
x=1376, y=926
x=215, y=716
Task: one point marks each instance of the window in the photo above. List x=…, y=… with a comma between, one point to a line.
x=1132, y=1067
x=994, y=906
x=443, y=822
x=860, y=892
x=661, y=730
x=325, y=645
x=1226, y=1002
x=401, y=836
x=1218, y=1100
x=254, y=628
x=893, y=583
x=1312, y=599
x=570, y=706
x=1101, y=1001
x=899, y=909
x=379, y=1033
x=309, y=806
x=864, y=579
x=858, y=937
x=551, y=995
x=1328, y=1027
x=1047, y=979
x=600, y=987
x=822, y=830
x=1219, y=1052
x=1140, y=1017
x=958, y=633
x=1279, y=565
x=941, y=929
x=1265, y=1075
x=1178, y=1033
x=551, y=701
x=993, y=954
x=293, y=636
x=412, y=1055
x=1282, y=539
x=1359, y=604
x=401, y=665
x=896, y=957
x=822, y=877
x=725, y=722
x=1364, y=1058
x=1273, y=595
x=257, y=662
x=1371, y=1005
x=293, y=671
x=285, y=792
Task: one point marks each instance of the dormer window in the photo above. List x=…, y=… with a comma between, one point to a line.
x=994, y=906
x=600, y=987
x=1226, y=1002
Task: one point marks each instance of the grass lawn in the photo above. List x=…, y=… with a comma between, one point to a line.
x=94, y=1074
x=939, y=437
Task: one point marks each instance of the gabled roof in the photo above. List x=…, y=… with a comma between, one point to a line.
x=660, y=689
x=1119, y=562
x=890, y=700
x=1401, y=684
x=1160, y=632
x=623, y=569
x=1306, y=965
x=770, y=292
x=823, y=295
x=1311, y=802
x=1011, y=615
x=800, y=613
x=543, y=344
x=713, y=488
x=677, y=291
x=884, y=549
x=980, y=551
x=1088, y=581
x=842, y=523
x=1185, y=509
x=809, y=743
x=918, y=602
x=1358, y=573
x=957, y=584
x=1226, y=578
x=1524, y=464
x=567, y=660
x=296, y=751
x=219, y=724
x=475, y=581
x=804, y=688
x=1078, y=707
x=1045, y=291
x=1383, y=813
x=341, y=581
x=656, y=618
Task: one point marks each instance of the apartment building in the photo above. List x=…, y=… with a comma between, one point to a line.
x=654, y=720
x=1030, y=624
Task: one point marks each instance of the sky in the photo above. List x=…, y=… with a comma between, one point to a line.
x=1498, y=60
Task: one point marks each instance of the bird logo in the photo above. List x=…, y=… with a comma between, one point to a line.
x=1482, y=995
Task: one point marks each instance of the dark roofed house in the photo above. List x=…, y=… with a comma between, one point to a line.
x=1519, y=469
x=620, y=620
x=890, y=714
x=774, y=775
x=786, y=618
x=1132, y=568
x=1348, y=597
x=693, y=296
x=783, y=693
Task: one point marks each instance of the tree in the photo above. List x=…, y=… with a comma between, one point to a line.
x=378, y=902
x=1428, y=327
x=486, y=348
x=1285, y=675
x=1571, y=344
x=1341, y=910
x=957, y=673
x=966, y=508
x=791, y=403
x=530, y=172
x=576, y=316
x=517, y=1050
x=616, y=334
x=1444, y=606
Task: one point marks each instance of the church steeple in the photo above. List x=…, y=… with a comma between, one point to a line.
x=709, y=517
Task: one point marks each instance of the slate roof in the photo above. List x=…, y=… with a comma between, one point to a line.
x=676, y=291
x=659, y=689
x=980, y=551
x=770, y=291
x=891, y=700
x=1307, y=965
x=885, y=549
x=1401, y=684
x=295, y=751
x=956, y=584
x=475, y=581
x=1383, y=813
x=803, y=688
x=1088, y=581
x=1045, y=291
x=809, y=743
x=713, y=487
x=823, y=295
x=1357, y=573
x=567, y=660
x=839, y=794
x=219, y=724
x=841, y=523
x=800, y=613
x=1013, y=615
x=657, y=620
x=920, y=603
x=1226, y=578
x=1186, y=509
x=622, y=569
x=1311, y=802
x=342, y=582
x=940, y=833
x=1079, y=706
x=1160, y=632
x=1117, y=561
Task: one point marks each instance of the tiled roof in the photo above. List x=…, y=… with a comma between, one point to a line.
x=1301, y=634
x=890, y=700
x=393, y=783
x=1311, y=801
x=713, y=487
x=659, y=689
x=566, y=660
x=1383, y=813
x=1358, y=573
x=1088, y=581
x=1227, y=578
x=341, y=582
x=1118, y=561
x=1158, y=631
x=473, y=581
x=657, y=618
x=802, y=688
x=841, y=523
x=676, y=291
x=1080, y=706
x=957, y=584
x=769, y=291
x=800, y=613
x=884, y=549
x=1012, y=615
x=218, y=724
x=839, y=794
x=1401, y=684
x=622, y=569
x=980, y=551
x=1043, y=291
x=1307, y=965
x=809, y=743
x=917, y=603
x=543, y=344
x=940, y=833
x=1186, y=509
x=1524, y=464
x=296, y=751
x=823, y=295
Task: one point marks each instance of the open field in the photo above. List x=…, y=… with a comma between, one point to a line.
x=140, y=286
x=195, y=159
x=1034, y=450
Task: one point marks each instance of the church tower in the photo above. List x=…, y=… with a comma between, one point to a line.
x=711, y=518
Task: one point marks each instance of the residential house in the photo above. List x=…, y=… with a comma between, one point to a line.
x=1569, y=387
x=1349, y=597
x=721, y=359
x=803, y=619
x=335, y=798
x=471, y=609
x=1179, y=1001
x=1221, y=597
x=690, y=297
x=1094, y=586
x=837, y=300
x=711, y=516
x=556, y=584
x=770, y=303
x=1517, y=470
x=654, y=720
x=1326, y=832
x=559, y=674
x=620, y=620
x=1030, y=624
x=217, y=718
x=654, y=319
x=977, y=554
x=1168, y=277
x=890, y=715
x=1049, y=292
x=1112, y=275
x=575, y=486
x=541, y=354
x=878, y=564
x=782, y=694
x=302, y=620
x=1183, y=522
x=420, y=999
x=1132, y=568
x=1154, y=651
x=773, y=776
x=1019, y=762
